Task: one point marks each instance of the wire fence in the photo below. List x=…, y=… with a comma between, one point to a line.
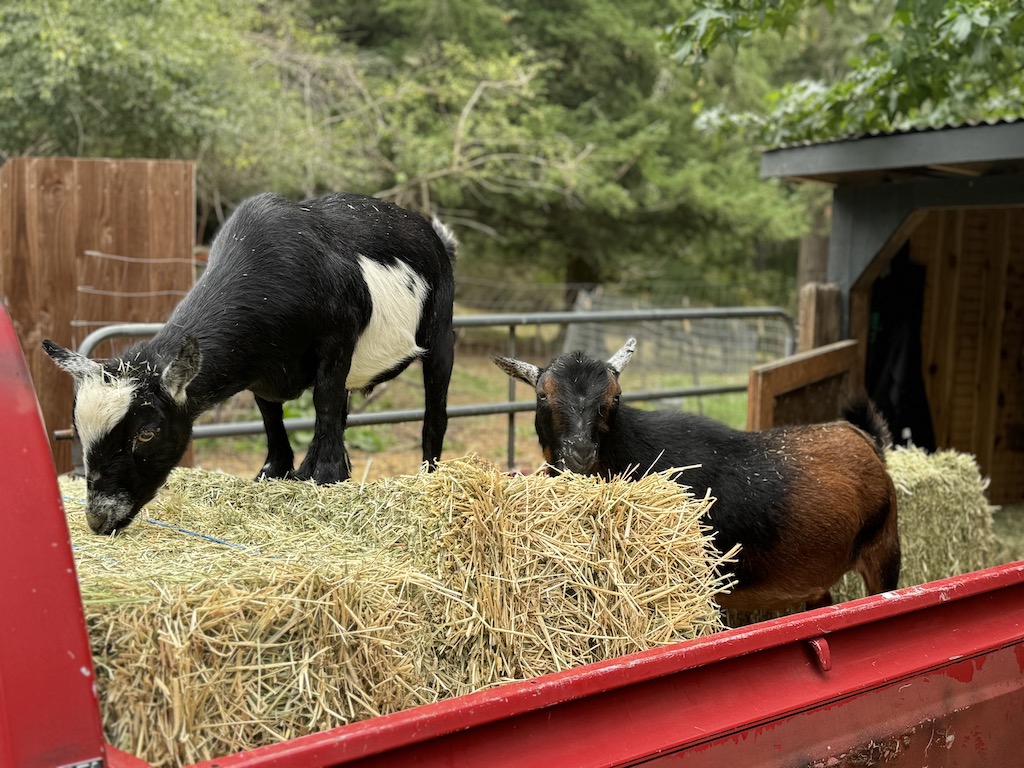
x=479, y=294
x=682, y=353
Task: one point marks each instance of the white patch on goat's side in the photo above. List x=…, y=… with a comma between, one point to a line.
x=101, y=404
x=398, y=294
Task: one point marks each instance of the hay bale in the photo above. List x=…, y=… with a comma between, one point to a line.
x=1008, y=522
x=240, y=614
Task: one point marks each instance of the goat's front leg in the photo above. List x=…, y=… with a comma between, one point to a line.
x=326, y=460
x=437, y=373
x=280, y=458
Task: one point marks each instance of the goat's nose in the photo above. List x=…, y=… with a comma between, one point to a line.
x=96, y=520
x=578, y=456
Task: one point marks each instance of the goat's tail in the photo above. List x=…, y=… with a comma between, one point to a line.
x=451, y=243
x=864, y=414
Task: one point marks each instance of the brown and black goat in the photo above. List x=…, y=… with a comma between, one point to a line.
x=806, y=504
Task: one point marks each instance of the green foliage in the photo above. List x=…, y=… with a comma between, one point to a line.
x=557, y=138
x=104, y=77
x=935, y=62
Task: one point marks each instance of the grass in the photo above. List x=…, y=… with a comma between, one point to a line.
x=474, y=380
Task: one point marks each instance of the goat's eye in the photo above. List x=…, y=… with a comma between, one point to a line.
x=145, y=436
x=542, y=396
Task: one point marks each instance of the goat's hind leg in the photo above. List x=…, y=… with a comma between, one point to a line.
x=437, y=374
x=878, y=561
x=280, y=457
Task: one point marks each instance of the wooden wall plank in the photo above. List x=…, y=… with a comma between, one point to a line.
x=50, y=198
x=1008, y=450
x=947, y=262
x=54, y=209
x=993, y=258
x=97, y=235
x=170, y=234
x=973, y=340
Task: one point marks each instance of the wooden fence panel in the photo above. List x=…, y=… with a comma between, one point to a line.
x=54, y=213
x=804, y=388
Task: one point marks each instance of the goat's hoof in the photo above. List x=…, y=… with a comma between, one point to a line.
x=321, y=474
x=273, y=473
x=329, y=477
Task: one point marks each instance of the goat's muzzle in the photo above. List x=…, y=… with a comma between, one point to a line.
x=577, y=456
x=107, y=514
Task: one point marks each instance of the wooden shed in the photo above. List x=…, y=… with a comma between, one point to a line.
x=86, y=243
x=927, y=251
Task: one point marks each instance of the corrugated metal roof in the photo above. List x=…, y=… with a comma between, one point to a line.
x=902, y=132
x=970, y=148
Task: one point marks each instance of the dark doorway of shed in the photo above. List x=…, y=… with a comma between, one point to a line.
x=892, y=374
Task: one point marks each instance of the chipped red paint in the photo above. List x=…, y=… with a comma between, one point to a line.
x=926, y=675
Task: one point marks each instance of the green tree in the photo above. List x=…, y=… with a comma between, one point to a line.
x=584, y=161
x=560, y=138
x=934, y=62
x=176, y=79
x=104, y=76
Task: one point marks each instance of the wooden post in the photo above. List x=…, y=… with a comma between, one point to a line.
x=817, y=316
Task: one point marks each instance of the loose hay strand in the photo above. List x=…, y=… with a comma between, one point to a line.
x=256, y=612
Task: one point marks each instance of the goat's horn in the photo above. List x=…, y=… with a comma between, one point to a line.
x=517, y=369
x=74, y=363
x=618, y=361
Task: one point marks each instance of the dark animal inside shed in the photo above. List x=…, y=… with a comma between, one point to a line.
x=805, y=503
x=336, y=294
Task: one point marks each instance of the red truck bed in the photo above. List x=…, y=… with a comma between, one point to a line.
x=930, y=675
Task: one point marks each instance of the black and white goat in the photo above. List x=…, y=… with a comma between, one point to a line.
x=806, y=504
x=339, y=293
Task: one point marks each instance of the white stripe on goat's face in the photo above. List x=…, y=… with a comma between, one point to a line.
x=101, y=404
x=397, y=293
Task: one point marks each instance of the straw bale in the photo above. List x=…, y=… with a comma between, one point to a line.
x=236, y=614
x=1009, y=527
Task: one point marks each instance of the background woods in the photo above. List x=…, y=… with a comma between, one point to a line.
x=563, y=144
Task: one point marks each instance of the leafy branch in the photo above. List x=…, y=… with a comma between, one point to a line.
x=936, y=63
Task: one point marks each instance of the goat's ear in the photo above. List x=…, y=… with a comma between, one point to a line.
x=618, y=361
x=517, y=369
x=77, y=365
x=179, y=374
